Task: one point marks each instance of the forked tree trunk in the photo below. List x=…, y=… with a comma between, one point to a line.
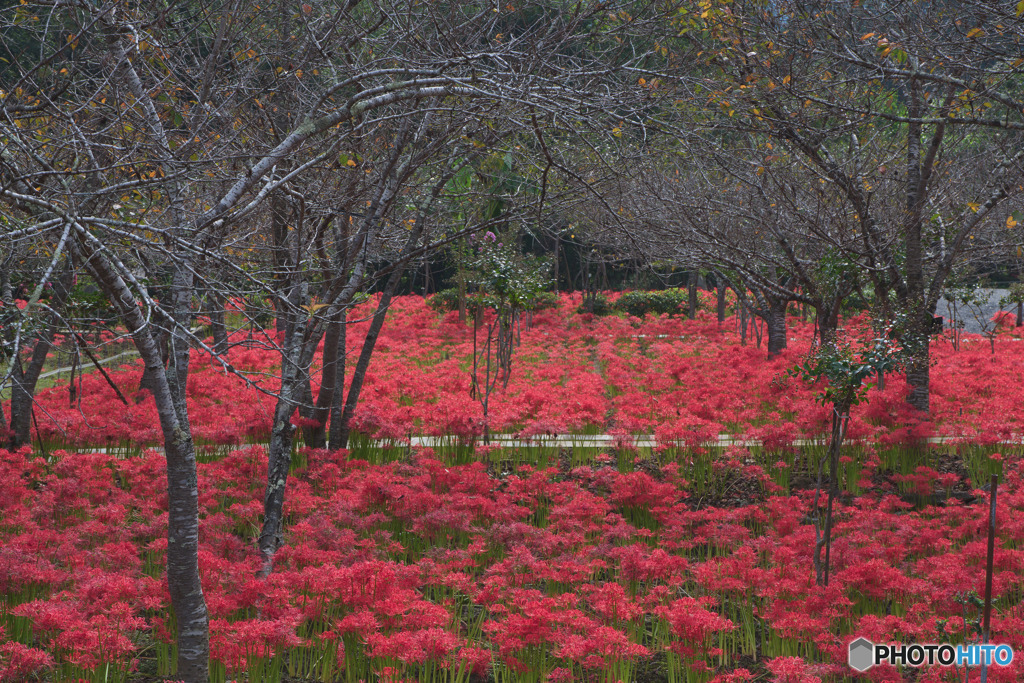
x=363, y=363
x=316, y=436
x=183, y=580
x=23, y=389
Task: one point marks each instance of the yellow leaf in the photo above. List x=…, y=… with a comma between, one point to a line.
x=642, y=81
x=974, y=32
x=350, y=162
x=1010, y=223
x=866, y=36
x=974, y=207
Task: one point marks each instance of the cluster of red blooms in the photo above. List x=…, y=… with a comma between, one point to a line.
x=683, y=381
x=423, y=566
x=611, y=570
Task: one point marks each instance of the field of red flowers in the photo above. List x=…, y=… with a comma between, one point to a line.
x=684, y=381
x=683, y=563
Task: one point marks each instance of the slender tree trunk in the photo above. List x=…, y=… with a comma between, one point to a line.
x=1020, y=314
x=824, y=540
x=921, y=317
x=558, y=242
x=23, y=389
x=25, y=379
x=180, y=344
x=363, y=363
x=183, y=580
x=279, y=452
x=316, y=436
x=720, y=290
x=338, y=395
x=743, y=323
x=218, y=327
x=691, y=283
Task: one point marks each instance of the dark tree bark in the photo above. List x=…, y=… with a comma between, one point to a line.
x=743, y=323
x=23, y=386
x=827, y=321
x=776, y=325
x=363, y=363
x=720, y=290
x=316, y=436
x=691, y=282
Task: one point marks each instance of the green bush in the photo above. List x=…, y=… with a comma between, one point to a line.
x=444, y=301
x=667, y=301
x=448, y=300
x=600, y=306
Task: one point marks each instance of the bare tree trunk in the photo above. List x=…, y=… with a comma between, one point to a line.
x=218, y=328
x=279, y=452
x=826, y=322
x=918, y=377
x=720, y=290
x=316, y=436
x=338, y=395
x=183, y=580
x=24, y=379
x=691, y=282
x=180, y=344
x=776, y=326
x=824, y=540
x=558, y=243
x=161, y=338
x=1020, y=314
x=743, y=323
x=23, y=389
x=363, y=363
